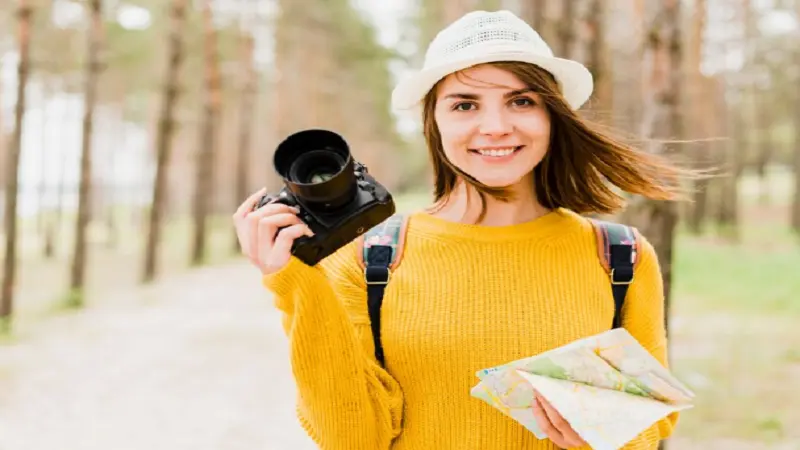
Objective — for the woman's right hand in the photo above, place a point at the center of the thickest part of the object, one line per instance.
(266, 247)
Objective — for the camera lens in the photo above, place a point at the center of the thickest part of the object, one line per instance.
(317, 167)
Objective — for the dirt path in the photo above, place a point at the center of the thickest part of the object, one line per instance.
(199, 362)
(196, 362)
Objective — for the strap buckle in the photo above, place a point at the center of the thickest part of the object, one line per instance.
(614, 281)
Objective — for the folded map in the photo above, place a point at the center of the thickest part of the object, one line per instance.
(608, 387)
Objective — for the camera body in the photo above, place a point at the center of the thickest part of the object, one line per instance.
(338, 199)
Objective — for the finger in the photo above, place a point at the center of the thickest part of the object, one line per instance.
(267, 229)
(248, 204)
(255, 217)
(570, 437)
(269, 209)
(246, 231)
(544, 422)
(282, 249)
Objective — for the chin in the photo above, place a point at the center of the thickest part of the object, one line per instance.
(500, 180)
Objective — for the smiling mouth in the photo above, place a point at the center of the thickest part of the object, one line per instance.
(497, 152)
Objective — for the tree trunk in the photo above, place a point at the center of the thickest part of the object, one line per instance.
(3, 146)
(24, 11)
(764, 115)
(596, 58)
(699, 104)
(166, 126)
(625, 99)
(795, 221)
(566, 33)
(588, 46)
(112, 228)
(663, 79)
(41, 211)
(204, 183)
(246, 118)
(532, 11)
(79, 261)
(738, 149)
(728, 194)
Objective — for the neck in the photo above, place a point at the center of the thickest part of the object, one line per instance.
(464, 206)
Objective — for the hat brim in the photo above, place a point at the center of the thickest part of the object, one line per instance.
(574, 79)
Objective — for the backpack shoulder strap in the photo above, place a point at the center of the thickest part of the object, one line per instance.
(617, 249)
(380, 251)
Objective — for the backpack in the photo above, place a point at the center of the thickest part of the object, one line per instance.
(381, 251)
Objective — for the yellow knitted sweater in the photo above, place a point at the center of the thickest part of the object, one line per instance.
(464, 298)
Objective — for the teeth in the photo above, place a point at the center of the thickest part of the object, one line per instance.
(497, 152)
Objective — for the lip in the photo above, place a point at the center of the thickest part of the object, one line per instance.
(497, 159)
(495, 147)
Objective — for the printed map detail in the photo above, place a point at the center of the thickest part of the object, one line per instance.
(608, 387)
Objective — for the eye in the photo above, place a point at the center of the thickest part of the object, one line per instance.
(523, 102)
(463, 106)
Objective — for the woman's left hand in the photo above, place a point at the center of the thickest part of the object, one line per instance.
(553, 425)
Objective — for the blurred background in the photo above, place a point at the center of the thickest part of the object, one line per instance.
(132, 129)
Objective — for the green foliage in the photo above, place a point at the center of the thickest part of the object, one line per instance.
(54, 51)
(133, 59)
(360, 61)
(430, 18)
(5, 329)
(751, 278)
(490, 5)
(359, 50)
(74, 299)
(130, 58)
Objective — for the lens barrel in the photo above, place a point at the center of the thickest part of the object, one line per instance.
(317, 168)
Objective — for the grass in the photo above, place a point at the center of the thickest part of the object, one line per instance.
(751, 278)
(42, 287)
(734, 337)
(744, 370)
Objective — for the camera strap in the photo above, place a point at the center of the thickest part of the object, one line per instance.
(617, 250)
(381, 250)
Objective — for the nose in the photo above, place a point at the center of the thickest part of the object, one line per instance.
(494, 122)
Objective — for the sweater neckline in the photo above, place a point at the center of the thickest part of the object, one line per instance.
(546, 226)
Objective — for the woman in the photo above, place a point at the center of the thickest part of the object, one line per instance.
(502, 267)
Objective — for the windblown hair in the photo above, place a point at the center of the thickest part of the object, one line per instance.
(581, 166)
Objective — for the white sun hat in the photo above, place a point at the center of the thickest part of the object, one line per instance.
(483, 37)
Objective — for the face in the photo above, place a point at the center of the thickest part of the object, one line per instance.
(492, 127)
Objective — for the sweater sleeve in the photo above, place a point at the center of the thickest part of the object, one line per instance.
(643, 317)
(345, 399)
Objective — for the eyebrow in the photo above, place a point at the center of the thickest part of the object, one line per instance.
(465, 96)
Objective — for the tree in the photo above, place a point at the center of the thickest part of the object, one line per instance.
(698, 105)
(661, 121)
(204, 181)
(532, 11)
(24, 13)
(166, 125)
(247, 98)
(795, 208)
(79, 258)
(566, 31)
(338, 66)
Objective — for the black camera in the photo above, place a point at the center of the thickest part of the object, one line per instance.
(336, 196)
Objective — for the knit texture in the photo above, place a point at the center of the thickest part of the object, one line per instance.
(464, 298)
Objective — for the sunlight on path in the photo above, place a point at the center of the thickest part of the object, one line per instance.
(195, 362)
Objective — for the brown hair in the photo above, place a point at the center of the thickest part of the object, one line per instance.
(578, 164)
